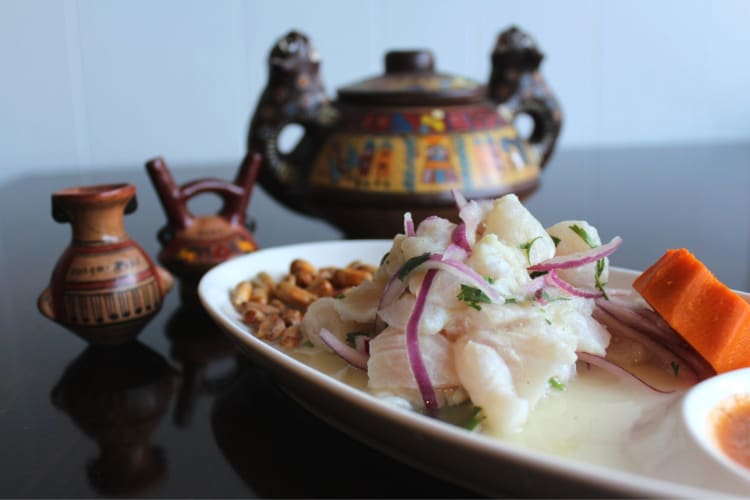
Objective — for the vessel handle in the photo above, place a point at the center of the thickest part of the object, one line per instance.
(235, 195)
(517, 85)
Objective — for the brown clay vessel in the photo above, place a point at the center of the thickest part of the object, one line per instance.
(403, 140)
(193, 244)
(104, 287)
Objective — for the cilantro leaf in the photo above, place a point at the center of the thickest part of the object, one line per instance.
(412, 263)
(581, 232)
(473, 297)
(351, 337)
(526, 247)
(555, 240)
(476, 418)
(555, 383)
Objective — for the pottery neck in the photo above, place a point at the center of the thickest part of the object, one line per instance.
(95, 213)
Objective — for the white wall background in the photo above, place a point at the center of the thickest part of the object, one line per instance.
(91, 84)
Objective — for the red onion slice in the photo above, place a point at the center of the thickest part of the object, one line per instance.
(392, 291)
(418, 368)
(350, 355)
(650, 329)
(579, 258)
(408, 225)
(463, 271)
(617, 370)
(553, 278)
(458, 237)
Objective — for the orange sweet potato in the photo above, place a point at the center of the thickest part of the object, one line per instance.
(704, 311)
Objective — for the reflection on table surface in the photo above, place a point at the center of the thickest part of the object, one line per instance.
(181, 413)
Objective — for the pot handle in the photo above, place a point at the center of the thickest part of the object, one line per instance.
(174, 198)
(518, 86)
(294, 95)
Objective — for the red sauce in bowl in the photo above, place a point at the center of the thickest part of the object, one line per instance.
(732, 429)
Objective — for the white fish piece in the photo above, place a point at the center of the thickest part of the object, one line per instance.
(323, 314)
(572, 318)
(515, 225)
(396, 314)
(512, 364)
(389, 371)
(489, 383)
(570, 242)
(361, 302)
(505, 264)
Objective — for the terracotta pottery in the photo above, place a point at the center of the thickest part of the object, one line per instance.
(193, 244)
(104, 287)
(402, 140)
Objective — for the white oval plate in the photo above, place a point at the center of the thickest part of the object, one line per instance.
(477, 462)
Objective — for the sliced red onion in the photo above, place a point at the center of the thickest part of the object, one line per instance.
(617, 370)
(618, 329)
(458, 198)
(362, 344)
(554, 279)
(455, 252)
(472, 214)
(350, 355)
(458, 237)
(463, 271)
(535, 285)
(579, 258)
(413, 352)
(392, 291)
(634, 321)
(408, 225)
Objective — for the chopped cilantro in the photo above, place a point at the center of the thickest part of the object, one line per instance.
(410, 264)
(307, 343)
(340, 296)
(473, 296)
(351, 337)
(526, 247)
(581, 232)
(548, 321)
(555, 383)
(599, 263)
(476, 418)
(536, 274)
(489, 279)
(510, 300)
(555, 240)
(675, 368)
(385, 258)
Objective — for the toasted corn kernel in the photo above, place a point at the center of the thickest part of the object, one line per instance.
(350, 277)
(242, 293)
(294, 295)
(271, 327)
(291, 337)
(322, 288)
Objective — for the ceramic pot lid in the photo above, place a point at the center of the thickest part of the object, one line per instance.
(410, 78)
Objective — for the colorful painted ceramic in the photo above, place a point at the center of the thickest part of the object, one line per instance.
(193, 244)
(403, 140)
(104, 287)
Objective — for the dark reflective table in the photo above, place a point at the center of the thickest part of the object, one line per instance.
(180, 413)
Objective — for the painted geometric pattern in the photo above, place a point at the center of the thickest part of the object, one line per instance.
(98, 307)
(408, 163)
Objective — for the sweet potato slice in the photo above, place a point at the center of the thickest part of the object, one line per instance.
(704, 311)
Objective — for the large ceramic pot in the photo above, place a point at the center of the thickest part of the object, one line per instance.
(403, 140)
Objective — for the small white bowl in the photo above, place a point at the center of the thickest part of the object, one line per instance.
(699, 405)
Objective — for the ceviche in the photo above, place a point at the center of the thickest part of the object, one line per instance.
(496, 312)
